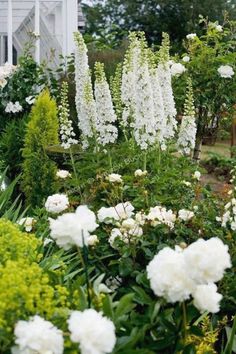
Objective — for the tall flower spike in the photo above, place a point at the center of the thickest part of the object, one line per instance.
(188, 129)
(83, 85)
(164, 75)
(116, 91)
(66, 130)
(144, 123)
(129, 73)
(106, 130)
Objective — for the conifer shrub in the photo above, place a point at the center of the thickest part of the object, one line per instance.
(39, 171)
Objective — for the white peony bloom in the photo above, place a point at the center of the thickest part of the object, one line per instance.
(168, 276)
(38, 336)
(73, 228)
(186, 59)
(63, 174)
(226, 71)
(114, 178)
(30, 100)
(57, 203)
(119, 212)
(207, 260)
(27, 222)
(206, 298)
(197, 175)
(191, 36)
(140, 173)
(185, 214)
(177, 69)
(94, 332)
(93, 240)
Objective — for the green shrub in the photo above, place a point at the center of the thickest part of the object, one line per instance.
(38, 170)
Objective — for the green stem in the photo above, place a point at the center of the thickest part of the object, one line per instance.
(230, 342)
(73, 164)
(110, 160)
(145, 161)
(184, 322)
(84, 265)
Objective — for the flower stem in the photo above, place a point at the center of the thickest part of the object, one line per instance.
(73, 164)
(184, 322)
(84, 261)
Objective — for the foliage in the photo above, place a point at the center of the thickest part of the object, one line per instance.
(38, 170)
(110, 22)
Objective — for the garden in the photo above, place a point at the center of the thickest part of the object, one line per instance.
(111, 238)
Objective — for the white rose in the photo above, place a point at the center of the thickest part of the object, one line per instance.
(226, 71)
(186, 58)
(114, 178)
(63, 174)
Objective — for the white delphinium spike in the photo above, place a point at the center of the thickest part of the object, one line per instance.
(164, 74)
(159, 113)
(89, 113)
(66, 130)
(106, 130)
(188, 129)
(144, 118)
(128, 82)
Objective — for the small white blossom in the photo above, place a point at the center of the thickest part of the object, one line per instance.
(30, 100)
(13, 107)
(197, 175)
(159, 215)
(206, 298)
(226, 71)
(140, 173)
(114, 178)
(93, 240)
(38, 336)
(28, 223)
(57, 203)
(63, 174)
(186, 59)
(94, 332)
(187, 184)
(185, 214)
(219, 28)
(191, 36)
(119, 212)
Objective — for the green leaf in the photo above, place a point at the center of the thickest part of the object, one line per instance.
(125, 305)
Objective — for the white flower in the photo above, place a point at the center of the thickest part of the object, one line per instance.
(187, 184)
(197, 175)
(63, 174)
(3, 83)
(93, 240)
(207, 260)
(57, 203)
(177, 69)
(47, 241)
(191, 36)
(225, 71)
(27, 222)
(114, 178)
(219, 28)
(140, 173)
(94, 333)
(206, 298)
(38, 336)
(159, 215)
(168, 276)
(119, 212)
(186, 59)
(185, 215)
(30, 100)
(13, 107)
(73, 228)
(115, 233)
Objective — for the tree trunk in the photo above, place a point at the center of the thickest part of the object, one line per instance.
(197, 149)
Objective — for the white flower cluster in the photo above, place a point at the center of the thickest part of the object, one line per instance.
(140, 173)
(106, 130)
(30, 100)
(188, 128)
(160, 215)
(56, 203)
(5, 72)
(191, 36)
(114, 178)
(13, 107)
(185, 214)
(120, 212)
(178, 274)
(197, 175)
(226, 71)
(73, 229)
(66, 130)
(37, 336)
(94, 332)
